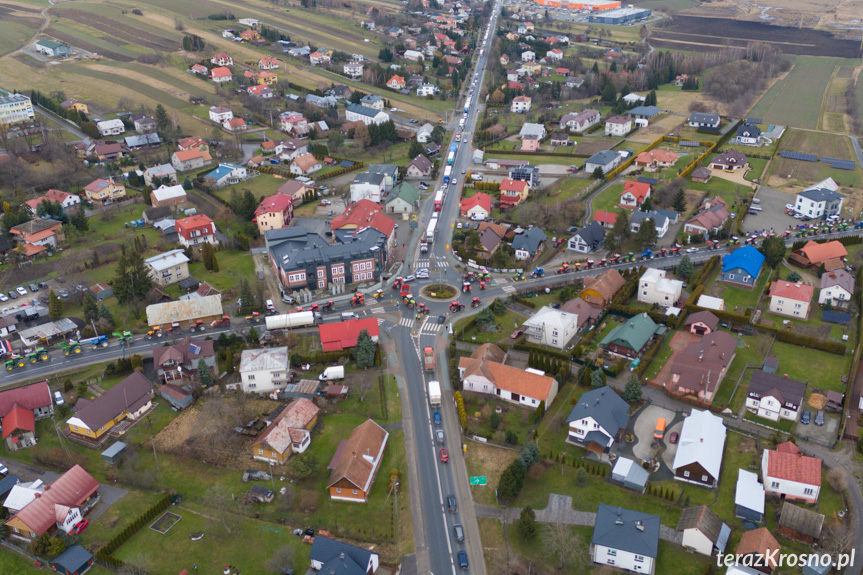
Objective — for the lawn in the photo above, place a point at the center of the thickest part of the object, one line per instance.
(737, 299)
(798, 363)
(233, 265)
(752, 353)
(504, 325)
(552, 430)
(13, 35)
(660, 360)
(608, 199)
(787, 171)
(263, 185)
(605, 328)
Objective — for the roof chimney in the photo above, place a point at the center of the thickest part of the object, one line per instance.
(639, 525)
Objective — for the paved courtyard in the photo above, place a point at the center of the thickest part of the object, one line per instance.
(678, 343)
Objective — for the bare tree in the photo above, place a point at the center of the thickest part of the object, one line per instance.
(561, 542)
(282, 559)
(220, 500)
(836, 540)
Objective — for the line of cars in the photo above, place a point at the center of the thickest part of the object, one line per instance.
(451, 501)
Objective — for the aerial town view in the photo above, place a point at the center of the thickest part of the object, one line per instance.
(431, 287)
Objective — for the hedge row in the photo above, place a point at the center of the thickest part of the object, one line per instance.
(648, 357)
(523, 301)
(117, 541)
(526, 347)
(629, 311)
(340, 171)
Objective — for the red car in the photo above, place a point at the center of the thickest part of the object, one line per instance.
(444, 455)
(673, 437)
(80, 526)
(517, 333)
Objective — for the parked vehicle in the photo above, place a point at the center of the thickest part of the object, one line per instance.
(332, 373)
(819, 418)
(659, 432)
(58, 398)
(459, 533)
(806, 417)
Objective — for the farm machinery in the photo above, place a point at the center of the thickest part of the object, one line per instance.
(224, 321)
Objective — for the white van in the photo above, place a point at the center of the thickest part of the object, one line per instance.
(349, 315)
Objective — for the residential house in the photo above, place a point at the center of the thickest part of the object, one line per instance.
(606, 160)
(660, 221)
(419, 167)
(520, 104)
(528, 56)
(529, 244)
(618, 126)
(305, 165)
(192, 142)
(69, 202)
(196, 230)
(364, 214)
(632, 338)
(15, 108)
(711, 217)
(599, 290)
(199, 69)
(644, 112)
(221, 75)
(829, 254)
(748, 497)
(108, 152)
(75, 560)
(634, 194)
(698, 458)
(748, 134)
(264, 370)
(319, 58)
(260, 91)
(396, 82)
(268, 63)
(530, 144)
(357, 112)
(574, 82)
(135, 143)
(598, 419)
(181, 359)
(221, 59)
(424, 133)
(294, 124)
(758, 547)
(372, 101)
(235, 125)
(191, 159)
(773, 397)
(530, 129)
(730, 160)
(555, 54)
(800, 524)
(742, 266)
(343, 335)
(525, 173)
(513, 192)
(703, 531)
(837, 287)
(701, 175)
(104, 191)
(581, 121)
(786, 472)
(403, 199)
(703, 120)
(331, 556)
(61, 506)
(485, 372)
(353, 69)
(633, 98)
(287, 433)
(476, 207)
(296, 190)
(128, 400)
(587, 239)
(367, 187)
(20, 408)
(699, 369)
(143, 123)
(551, 327)
(168, 268)
(163, 174)
(819, 202)
(701, 322)
(73, 104)
(626, 539)
(559, 139)
(37, 236)
(173, 196)
(605, 219)
(110, 127)
(289, 150)
(250, 36)
(356, 463)
(790, 298)
(655, 160)
(656, 289)
(274, 212)
(226, 175)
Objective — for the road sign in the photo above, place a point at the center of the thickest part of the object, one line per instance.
(478, 480)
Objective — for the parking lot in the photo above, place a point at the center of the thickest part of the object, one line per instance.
(772, 215)
(826, 434)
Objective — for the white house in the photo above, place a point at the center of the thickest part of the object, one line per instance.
(655, 288)
(520, 104)
(820, 200)
(581, 121)
(660, 221)
(305, 164)
(414, 56)
(703, 120)
(528, 56)
(169, 267)
(773, 397)
(366, 115)
(354, 69)
(368, 187)
(263, 370)
(587, 239)
(703, 531)
(837, 287)
(484, 372)
(111, 127)
(618, 126)
(633, 98)
(555, 54)
(551, 327)
(790, 299)
(597, 420)
(424, 90)
(220, 114)
(227, 174)
(626, 539)
(786, 471)
(424, 133)
(699, 451)
(606, 159)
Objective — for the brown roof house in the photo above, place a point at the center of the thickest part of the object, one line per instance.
(485, 372)
(701, 322)
(288, 432)
(800, 524)
(356, 463)
(703, 530)
(599, 290)
(419, 167)
(700, 367)
(760, 544)
(181, 359)
(123, 404)
(813, 254)
(587, 314)
(20, 408)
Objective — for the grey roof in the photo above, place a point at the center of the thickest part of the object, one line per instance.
(72, 559)
(626, 530)
(529, 240)
(784, 389)
(592, 234)
(658, 218)
(391, 170)
(367, 178)
(363, 110)
(532, 129)
(749, 131)
(325, 549)
(604, 406)
(602, 158)
(703, 118)
(115, 449)
(142, 140)
(821, 195)
(839, 278)
(370, 99)
(648, 111)
(305, 250)
(703, 519)
(801, 520)
(7, 483)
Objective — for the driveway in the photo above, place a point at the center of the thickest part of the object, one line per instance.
(671, 448)
(736, 176)
(772, 216)
(644, 427)
(825, 434)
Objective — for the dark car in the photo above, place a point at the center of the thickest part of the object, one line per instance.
(806, 417)
(13, 294)
(819, 418)
(451, 504)
(673, 437)
(436, 418)
(441, 319)
(462, 560)
(459, 533)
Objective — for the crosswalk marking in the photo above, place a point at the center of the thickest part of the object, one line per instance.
(420, 264)
(406, 321)
(378, 310)
(508, 289)
(381, 321)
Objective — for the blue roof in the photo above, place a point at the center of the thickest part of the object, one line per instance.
(7, 483)
(835, 317)
(222, 171)
(72, 559)
(746, 258)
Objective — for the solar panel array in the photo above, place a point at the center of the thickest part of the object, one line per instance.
(688, 144)
(798, 156)
(753, 120)
(840, 164)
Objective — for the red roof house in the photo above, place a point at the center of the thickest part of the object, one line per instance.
(274, 212)
(196, 230)
(19, 428)
(814, 254)
(477, 206)
(789, 473)
(606, 219)
(512, 192)
(634, 194)
(343, 335)
(365, 214)
(35, 397)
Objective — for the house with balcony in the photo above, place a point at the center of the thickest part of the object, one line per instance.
(181, 359)
(168, 268)
(598, 420)
(196, 230)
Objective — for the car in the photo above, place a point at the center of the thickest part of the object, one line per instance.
(21, 290)
(43, 285)
(691, 250)
(789, 206)
(517, 334)
(58, 398)
(410, 278)
(289, 299)
(451, 504)
(436, 418)
(396, 226)
(806, 417)
(454, 181)
(462, 559)
(324, 189)
(270, 305)
(414, 121)
(325, 203)
(458, 226)
(673, 437)
(444, 455)
(463, 172)
(33, 288)
(63, 293)
(80, 526)
(819, 417)
(3, 470)
(13, 294)
(4, 297)
(441, 319)
(440, 436)
(459, 533)
(423, 275)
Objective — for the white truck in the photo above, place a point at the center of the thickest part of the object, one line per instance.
(333, 373)
(434, 393)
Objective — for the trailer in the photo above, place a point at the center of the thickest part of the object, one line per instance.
(450, 159)
(447, 172)
(291, 320)
(438, 201)
(434, 393)
(428, 358)
(431, 231)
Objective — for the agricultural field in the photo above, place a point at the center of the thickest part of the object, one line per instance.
(833, 117)
(787, 172)
(18, 23)
(796, 100)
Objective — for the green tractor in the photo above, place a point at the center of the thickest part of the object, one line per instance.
(37, 356)
(124, 336)
(15, 361)
(69, 348)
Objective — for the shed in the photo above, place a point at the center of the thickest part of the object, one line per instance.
(101, 291)
(800, 524)
(260, 494)
(749, 497)
(815, 567)
(630, 474)
(336, 391)
(113, 453)
(73, 561)
(770, 365)
(176, 396)
(188, 284)
(835, 400)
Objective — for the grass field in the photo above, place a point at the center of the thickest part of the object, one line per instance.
(784, 171)
(13, 35)
(796, 100)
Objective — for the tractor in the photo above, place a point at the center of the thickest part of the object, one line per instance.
(422, 308)
(378, 295)
(224, 321)
(175, 327)
(410, 301)
(662, 253)
(328, 306)
(254, 318)
(455, 306)
(405, 290)
(398, 283)
(564, 269)
(537, 273)
(358, 299)
(588, 264)
(69, 348)
(156, 331)
(475, 302)
(647, 254)
(465, 286)
(197, 325)
(37, 356)
(482, 285)
(15, 361)
(518, 277)
(674, 251)
(123, 336)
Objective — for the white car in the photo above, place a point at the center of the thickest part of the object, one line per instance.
(789, 206)
(3, 470)
(21, 291)
(423, 274)
(58, 398)
(691, 250)
(4, 297)
(458, 226)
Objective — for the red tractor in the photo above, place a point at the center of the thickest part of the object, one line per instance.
(328, 306)
(466, 286)
(482, 285)
(224, 321)
(564, 269)
(358, 299)
(405, 290)
(674, 251)
(455, 306)
(422, 308)
(475, 302)
(398, 283)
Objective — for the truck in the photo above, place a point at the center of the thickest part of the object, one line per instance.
(438, 201)
(450, 159)
(467, 107)
(434, 393)
(290, 320)
(447, 172)
(428, 358)
(431, 231)
(332, 373)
